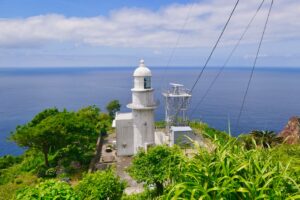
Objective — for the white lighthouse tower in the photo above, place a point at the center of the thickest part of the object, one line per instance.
(142, 106)
(135, 130)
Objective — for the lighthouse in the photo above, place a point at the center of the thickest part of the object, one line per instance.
(142, 106)
(135, 130)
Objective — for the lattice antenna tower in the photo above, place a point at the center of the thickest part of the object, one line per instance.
(177, 100)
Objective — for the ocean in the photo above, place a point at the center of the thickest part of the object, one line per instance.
(274, 95)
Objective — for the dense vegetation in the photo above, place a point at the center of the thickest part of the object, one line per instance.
(161, 164)
(49, 189)
(232, 172)
(113, 107)
(101, 185)
(65, 134)
(253, 166)
(60, 144)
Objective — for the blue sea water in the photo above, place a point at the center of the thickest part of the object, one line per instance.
(274, 95)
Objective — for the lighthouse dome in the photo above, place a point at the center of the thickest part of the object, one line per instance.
(142, 70)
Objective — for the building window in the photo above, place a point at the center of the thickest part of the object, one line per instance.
(147, 82)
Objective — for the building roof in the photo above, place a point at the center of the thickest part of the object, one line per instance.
(181, 128)
(142, 70)
(123, 116)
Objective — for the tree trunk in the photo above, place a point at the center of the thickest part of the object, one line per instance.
(159, 188)
(46, 158)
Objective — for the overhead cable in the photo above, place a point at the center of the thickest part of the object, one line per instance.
(254, 64)
(215, 46)
(228, 58)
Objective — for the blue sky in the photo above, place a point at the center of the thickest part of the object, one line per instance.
(79, 8)
(66, 33)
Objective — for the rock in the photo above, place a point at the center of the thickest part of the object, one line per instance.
(291, 132)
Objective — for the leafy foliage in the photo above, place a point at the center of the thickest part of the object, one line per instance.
(288, 154)
(68, 134)
(209, 132)
(8, 190)
(160, 164)
(8, 160)
(57, 138)
(50, 189)
(113, 107)
(160, 124)
(232, 172)
(228, 170)
(264, 139)
(29, 161)
(101, 185)
(146, 195)
(44, 132)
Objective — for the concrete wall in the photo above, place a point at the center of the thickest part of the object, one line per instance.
(143, 98)
(161, 138)
(143, 126)
(125, 145)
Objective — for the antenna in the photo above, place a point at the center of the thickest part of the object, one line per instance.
(177, 100)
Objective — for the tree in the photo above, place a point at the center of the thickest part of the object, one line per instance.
(160, 164)
(265, 139)
(104, 123)
(43, 132)
(100, 185)
(113, 107)
(49, 189)
(52, 130)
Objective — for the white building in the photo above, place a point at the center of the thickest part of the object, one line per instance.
(135, 130)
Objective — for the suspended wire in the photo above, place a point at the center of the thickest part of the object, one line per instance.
(212, 51)
(215, 46)
(176, 44)
(254, 64)
(228, 58)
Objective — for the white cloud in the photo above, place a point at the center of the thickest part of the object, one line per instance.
(252, 56)
(132, 27)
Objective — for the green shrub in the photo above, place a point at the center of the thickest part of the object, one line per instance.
(41, 171)
(261, 139)
(8, 190)
(50, 189)
(209, 132)
(51, 172)
(160, 164)
(288, 154)
(31, 160)
(28, 164)
(101, 185)
(232, 172)
(18, 181)
(8, 160)
(146, 195)
(160, 124)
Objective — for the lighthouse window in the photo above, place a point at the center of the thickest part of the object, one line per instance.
(147, 82)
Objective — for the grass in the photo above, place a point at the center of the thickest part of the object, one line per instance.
(226, 171)
(209, 132)
(232, 172)
(8, 190)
